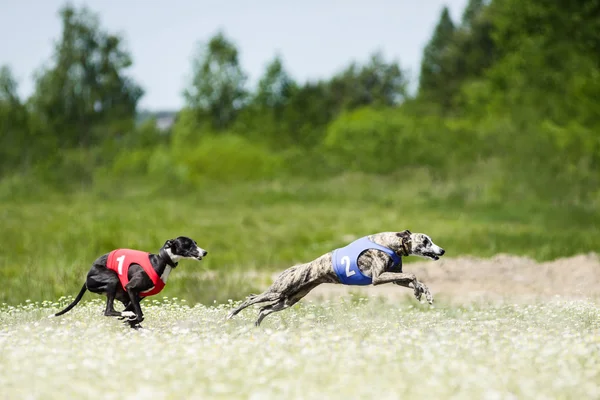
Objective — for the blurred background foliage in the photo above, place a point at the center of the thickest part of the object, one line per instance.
(514, 86)
(503, 129)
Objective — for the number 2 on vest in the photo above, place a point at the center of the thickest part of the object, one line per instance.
(346, 262)
(120, 266)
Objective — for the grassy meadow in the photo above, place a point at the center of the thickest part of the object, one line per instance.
(49, 242)
(354, 349)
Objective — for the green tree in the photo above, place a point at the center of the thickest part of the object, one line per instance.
(217, 88)
(471, 12)
(473, 50)
(276, 87)
(8, 87)
(548, 60)
(538, 102)
(13, 133)
(262, 118)
(436, 80)
(377, 83)
(20, 138)
(85, 95)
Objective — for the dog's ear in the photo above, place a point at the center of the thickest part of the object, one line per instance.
(405, 234)
(169, 243)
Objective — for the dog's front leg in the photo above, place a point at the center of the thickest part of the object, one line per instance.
(405, 280)
(137, 309)
(419, 290)
(135, 304)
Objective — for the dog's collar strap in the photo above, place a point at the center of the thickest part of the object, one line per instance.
(163, 254)
(405, 248)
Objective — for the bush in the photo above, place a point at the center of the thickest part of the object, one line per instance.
(383, 141)
(227, 158)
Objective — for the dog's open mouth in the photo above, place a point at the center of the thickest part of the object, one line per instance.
(433, 256)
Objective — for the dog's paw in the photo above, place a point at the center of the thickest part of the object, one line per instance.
(128, 314)
(428, 296)
(424, 290)
(418, 294)
(419, 291)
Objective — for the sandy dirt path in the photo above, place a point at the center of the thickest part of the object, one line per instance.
(503, 277)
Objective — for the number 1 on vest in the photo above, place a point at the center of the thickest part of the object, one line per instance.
(120, 266)
(346, 262)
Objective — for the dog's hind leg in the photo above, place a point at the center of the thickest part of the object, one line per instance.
(271, 308)
(111, 292)
(103, 281)
(282, 304)
(253, 299)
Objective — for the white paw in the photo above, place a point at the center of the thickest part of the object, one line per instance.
(429, 297)
(128, 314)
(427, 293)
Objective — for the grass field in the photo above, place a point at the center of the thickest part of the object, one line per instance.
(49, 241)
(350, 348)
(496, 331)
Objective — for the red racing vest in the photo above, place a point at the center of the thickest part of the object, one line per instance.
(119, 261)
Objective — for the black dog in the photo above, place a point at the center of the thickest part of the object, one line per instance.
(130, 275)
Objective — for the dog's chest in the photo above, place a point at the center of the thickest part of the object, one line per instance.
(376, 260)
(165, 274)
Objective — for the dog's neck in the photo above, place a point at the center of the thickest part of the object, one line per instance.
(400, 246)
(168, 257)
(405, 248)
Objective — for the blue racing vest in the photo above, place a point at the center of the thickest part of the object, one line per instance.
(345, 261)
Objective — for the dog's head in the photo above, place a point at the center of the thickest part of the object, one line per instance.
(419, 244)
(183, 247)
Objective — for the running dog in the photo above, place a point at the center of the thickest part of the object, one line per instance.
(375, 259)
(131, 275)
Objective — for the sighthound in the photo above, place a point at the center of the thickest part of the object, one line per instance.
(130, 275)
(371, 260)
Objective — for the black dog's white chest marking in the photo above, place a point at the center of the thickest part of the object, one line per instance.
(165, 274)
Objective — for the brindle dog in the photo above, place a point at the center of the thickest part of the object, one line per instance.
(296, 282)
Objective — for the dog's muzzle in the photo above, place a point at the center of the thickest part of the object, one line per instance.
(435, 256)
(201, 254)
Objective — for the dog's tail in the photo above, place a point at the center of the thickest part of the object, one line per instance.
(73, 304)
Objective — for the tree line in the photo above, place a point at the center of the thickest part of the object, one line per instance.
(512, 89)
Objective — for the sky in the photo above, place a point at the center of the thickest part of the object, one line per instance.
(315, 39)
